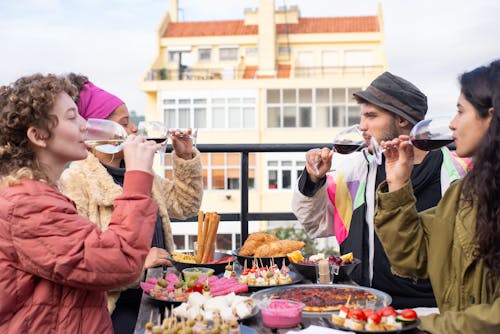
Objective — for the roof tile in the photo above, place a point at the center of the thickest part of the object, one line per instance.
(308, 25)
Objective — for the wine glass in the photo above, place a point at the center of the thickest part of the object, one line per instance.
(154, 130)
(104, 135)
(427, 135)
(347, 141)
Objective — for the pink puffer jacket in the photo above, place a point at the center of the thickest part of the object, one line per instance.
(56, 265)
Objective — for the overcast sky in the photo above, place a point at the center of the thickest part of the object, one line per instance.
(114, 41)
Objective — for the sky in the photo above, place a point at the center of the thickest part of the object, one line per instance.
(113, 42)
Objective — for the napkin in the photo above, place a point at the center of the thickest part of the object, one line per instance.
(319, 330)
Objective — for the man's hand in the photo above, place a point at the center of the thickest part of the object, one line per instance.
(399, 160)
(318, 163)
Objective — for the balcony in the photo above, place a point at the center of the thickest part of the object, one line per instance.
(283, 71)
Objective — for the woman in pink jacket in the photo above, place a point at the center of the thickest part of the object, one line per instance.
(56, 265)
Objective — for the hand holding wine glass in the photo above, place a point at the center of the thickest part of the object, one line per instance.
(347, 141)
(139, 153)
(183, 141)
(427, 135)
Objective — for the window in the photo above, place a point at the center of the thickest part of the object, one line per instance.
(358, 58)
(284, 50)
(235, 110)
(306, 108)
(223, 170)
(283, 172)
(173, 57)
(251, 51)
(204, 54)
(228, 53)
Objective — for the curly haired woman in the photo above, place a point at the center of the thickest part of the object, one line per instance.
(54, 276)
(94, 183)
(457, 243)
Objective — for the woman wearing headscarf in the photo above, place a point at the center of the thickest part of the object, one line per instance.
(93, 184)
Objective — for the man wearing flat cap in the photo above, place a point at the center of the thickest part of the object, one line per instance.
(341, 202)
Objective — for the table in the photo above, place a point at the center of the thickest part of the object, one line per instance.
(150, 306)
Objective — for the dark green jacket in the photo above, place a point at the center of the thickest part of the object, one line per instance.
(439, 244)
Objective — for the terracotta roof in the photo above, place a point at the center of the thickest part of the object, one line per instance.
(305, 26)
(209, 28)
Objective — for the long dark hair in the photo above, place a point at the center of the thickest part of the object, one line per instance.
(481, 87)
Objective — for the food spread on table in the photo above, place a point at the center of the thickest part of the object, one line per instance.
(383, 319)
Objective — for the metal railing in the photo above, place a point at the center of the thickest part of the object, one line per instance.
(235, 73)
(244, 216)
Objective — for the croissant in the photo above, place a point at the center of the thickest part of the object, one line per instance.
(278, 248)
(249, 248)
(254, 241)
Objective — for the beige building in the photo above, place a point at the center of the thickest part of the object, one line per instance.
(271, 76)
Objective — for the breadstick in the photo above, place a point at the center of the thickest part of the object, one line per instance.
(203, 238)
(198, 250)
(210, 245)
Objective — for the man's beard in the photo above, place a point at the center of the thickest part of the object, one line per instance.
(390, 133)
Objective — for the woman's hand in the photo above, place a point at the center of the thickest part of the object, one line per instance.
(318, 163)
(182, 144)
(139, 153)
(157, 257)
(399, 160)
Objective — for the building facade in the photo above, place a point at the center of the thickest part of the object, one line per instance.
(270, 77)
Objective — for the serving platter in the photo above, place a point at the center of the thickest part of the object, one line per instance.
(261, 261)
(406, 328)
(296, 278)
(243, 330)
(380, 298)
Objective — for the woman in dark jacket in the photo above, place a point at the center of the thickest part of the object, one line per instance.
(457, 243)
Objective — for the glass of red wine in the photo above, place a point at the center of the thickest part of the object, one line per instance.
(427, 135)
(160, 133)
(346, 141)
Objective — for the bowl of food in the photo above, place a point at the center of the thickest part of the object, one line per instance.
(281, 313)
(308, 266)
(193, 274)
(183, 260)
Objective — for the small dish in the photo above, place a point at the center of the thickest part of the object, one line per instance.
(193, 274)
(281, 313)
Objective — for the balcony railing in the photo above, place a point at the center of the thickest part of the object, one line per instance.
(244, 216)
(233, 73)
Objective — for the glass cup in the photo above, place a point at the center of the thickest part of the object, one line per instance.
(104, 135)
(427, 135)
(346, 141)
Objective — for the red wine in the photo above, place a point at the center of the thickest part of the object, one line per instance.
(158, 140)
(345, 148)
(430, 144)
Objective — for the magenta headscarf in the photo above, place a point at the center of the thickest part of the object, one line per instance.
(95, 102)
